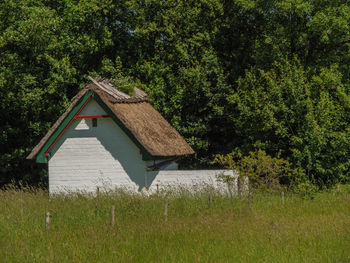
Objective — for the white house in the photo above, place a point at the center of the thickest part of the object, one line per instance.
(109, 139)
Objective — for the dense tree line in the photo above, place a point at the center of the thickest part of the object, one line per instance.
(235, 75)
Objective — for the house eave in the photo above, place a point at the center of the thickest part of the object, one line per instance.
(43, 154)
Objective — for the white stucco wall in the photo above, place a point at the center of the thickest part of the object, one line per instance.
(92, 108)
(189, 179)
(87, 157)
(166, 166)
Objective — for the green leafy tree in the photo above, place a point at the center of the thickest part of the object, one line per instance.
(46, 51)
(180, 68)
(32, 77)
(259, 32)
(305, 117)
(189, 55)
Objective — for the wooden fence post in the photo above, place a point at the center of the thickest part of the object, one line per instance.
(96, 200)
(239, 185)
(282, 197)
(47, 221)
(210, 200)
(22, 204)
(112, 215)
(249, 197)
(229, 187)
(166, 210)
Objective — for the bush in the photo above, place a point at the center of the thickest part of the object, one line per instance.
(264, 172)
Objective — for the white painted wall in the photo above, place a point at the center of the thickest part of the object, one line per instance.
(92, 108)
(87, 157)
(167, 166)
(189, 179)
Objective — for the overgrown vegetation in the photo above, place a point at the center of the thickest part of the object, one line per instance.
(263, 171)
(228, 75)
(258, 171)
(196, 230)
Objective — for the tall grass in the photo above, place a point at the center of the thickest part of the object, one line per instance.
(229, 230)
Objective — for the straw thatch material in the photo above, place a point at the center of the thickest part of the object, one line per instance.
(146, 124)
(151, 129)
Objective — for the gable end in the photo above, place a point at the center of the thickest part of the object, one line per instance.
(44, 155)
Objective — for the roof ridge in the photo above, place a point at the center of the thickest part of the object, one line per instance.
(107, 86)
(147, 128)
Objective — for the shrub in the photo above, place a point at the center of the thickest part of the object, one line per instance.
(263, 171)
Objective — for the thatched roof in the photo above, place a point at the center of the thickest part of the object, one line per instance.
(145, 125)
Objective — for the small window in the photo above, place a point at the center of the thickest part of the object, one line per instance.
(94, 122)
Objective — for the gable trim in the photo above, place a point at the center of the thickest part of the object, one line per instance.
(64, 129)
(44, 153)
(91, 116)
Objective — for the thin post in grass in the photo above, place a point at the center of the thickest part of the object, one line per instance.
(166, 203)
(210, 199)
(157, 189)
(21, 203)
(96, 199)
(229, 187)
(282, 197)
(47, 221)
(239, 185)
(112, 215)
(249, 197)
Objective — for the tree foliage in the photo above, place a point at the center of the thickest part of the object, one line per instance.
(303, 116)
(263, 171)
(242, 74)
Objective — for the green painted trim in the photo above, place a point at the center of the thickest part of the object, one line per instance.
(146, 156)
(41, 158)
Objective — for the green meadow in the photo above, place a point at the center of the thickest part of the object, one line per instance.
(199, 227)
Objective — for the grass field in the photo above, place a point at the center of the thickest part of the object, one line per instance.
(300, 230)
